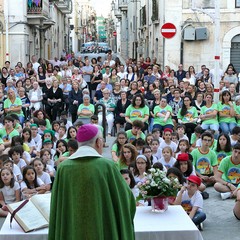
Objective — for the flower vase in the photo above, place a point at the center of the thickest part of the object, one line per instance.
(159, 204)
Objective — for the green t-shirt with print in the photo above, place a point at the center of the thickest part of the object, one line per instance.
(6, 137)
(204, 162)
(159, 120)
(225, 108)
(221, 155)
(205, 111)
(18, 102)
(88, 108)
(230, 171)
(189, 116)
(136, 113)
(132, 137)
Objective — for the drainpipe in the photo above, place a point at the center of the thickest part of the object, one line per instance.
(6, 27)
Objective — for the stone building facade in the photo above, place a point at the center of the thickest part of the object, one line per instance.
(140, 31)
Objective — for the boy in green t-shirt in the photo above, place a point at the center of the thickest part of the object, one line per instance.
(136, 131)
(228, 175)
(205, 160)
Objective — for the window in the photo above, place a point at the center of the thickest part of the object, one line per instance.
(237, 3)
(143, 16)
(154, 10)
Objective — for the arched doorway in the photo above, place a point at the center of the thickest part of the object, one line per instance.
(227, 45)
(235, 52)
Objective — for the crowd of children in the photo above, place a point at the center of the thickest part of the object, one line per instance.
(208, 162)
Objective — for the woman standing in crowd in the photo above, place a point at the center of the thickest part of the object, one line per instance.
(46, 89)
(75, 98)
(131, 76)
(5, 76)
(41, 76)
(121, 106)
(114, 78)
(49, 70)
(116, 91)
(192, 74)
(96, 78)
(54, 100)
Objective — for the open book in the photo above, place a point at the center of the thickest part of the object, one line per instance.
(34, 214)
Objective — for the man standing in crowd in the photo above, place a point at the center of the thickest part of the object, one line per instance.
(180, 73)
(101, 205)
(87, 72)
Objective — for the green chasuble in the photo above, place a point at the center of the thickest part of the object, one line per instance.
(90, 200)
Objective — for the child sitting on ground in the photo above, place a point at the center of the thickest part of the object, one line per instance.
(191, 200)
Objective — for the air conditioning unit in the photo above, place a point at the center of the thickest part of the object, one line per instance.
(201, 33)
(189, 33)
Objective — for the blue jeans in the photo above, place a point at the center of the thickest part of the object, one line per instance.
(21, 119)
(161, 128)
(214, 127)
(150, 127)
(199, 217)
(227, 127)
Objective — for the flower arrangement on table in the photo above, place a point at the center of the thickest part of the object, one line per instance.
(158, 185)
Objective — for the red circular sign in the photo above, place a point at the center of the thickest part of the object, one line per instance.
(114, 33)
(168, 30)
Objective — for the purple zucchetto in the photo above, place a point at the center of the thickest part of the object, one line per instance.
(86, 132)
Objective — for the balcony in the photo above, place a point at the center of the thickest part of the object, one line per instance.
(37, 11)
(122, 5)
(65, 6)
(117, 14)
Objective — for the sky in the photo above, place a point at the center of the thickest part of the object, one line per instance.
(102, 7)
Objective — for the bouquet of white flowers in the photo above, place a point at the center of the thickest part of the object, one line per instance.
(157, 184)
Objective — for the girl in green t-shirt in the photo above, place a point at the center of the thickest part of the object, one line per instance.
(223, 148)
(188, 115)
(227, 112)
(163, 115)
(118, 144)
(208, 115)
